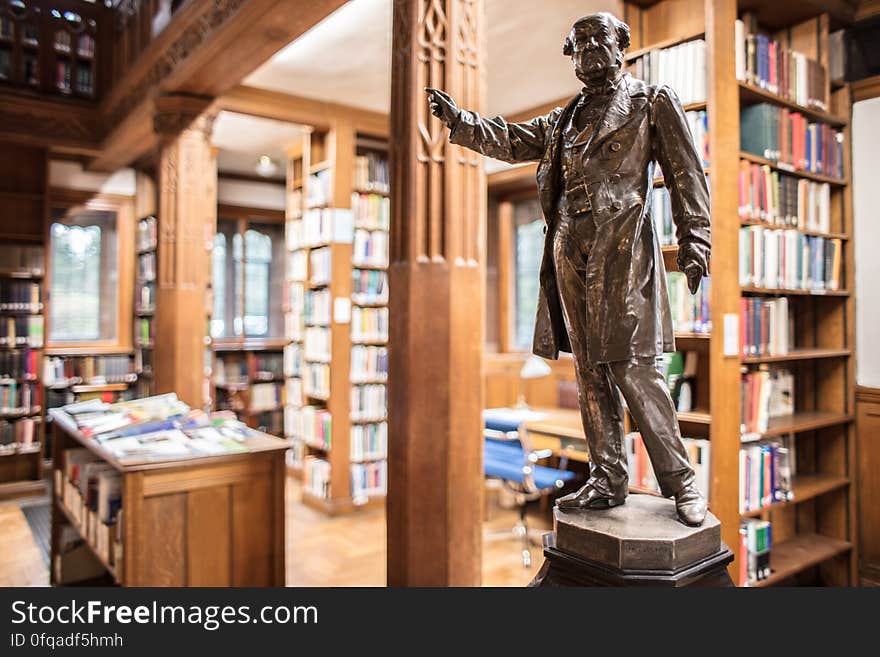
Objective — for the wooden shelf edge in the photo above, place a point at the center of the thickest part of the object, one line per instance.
(69, 516)
(810, 233)
(800, 173)
(800, 553)
(804, 487)
(751, 92)
(800, 422)
(798, 354)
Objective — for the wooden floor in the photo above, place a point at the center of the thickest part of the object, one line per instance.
(322, 551)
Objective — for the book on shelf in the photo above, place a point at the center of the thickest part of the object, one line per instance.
(21, 364)
(791, 140)
(144, 331)
(316, 344)
(320, 189)
(369, 402)
(681, 67)
(369, 442)
(231, 369)
(766, 327)
(297, 266)
(766, 473)
(369, 324)
(23, 260)
(368, 363)
(782, 200)
(370, 248)
(19, 397)
(371, 211)
(837, 55)
(21, 331)
(147, 267)
(320, 261)
(766, 394)
(265, 397)
(264, 366)
(316, 380)
(641, 472)
(293, 392)
(20, 296)
(310, 424)
(316, 307)
(19, 436)
(89, 370)
(755, 543)
(145, 301)
(766, 63)
(690, 312)
(147, 234)
(369, 287)
(369, 480)
(679, 369)
(316, 227)
(788, 259)
(370, 173)
(316, 477)
(293, 359)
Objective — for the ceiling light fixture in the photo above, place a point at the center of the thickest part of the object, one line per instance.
(266, 166)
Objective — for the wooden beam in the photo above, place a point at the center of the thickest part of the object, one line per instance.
(72, 127)
(318, 114)
(249, 177)
(866, 89)
(206, 49)
(434, 505)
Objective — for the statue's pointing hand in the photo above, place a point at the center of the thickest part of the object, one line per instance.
(442, 106)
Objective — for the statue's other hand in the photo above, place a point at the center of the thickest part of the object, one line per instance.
(442, 106)
(694, 264)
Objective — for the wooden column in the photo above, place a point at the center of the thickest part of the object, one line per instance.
(437, 211)
(187, 214)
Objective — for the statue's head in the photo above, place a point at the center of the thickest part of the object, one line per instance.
(595, 45)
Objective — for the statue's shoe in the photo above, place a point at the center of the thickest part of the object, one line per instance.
(690, 506)
(589, 497)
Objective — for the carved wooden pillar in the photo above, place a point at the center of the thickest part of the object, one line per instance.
(187, 216)
(435, 395)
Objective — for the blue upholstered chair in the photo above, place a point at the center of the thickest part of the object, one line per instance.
(509, 457)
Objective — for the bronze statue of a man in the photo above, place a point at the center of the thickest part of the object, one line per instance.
(603, 286)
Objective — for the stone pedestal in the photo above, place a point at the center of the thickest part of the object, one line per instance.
(641, 543)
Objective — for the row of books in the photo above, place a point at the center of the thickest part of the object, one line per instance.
(690, 312)
(371, 211)
(264, 366)
(369, 402)
(320, 262)
(698, 122)
(19, 435)
(679, 369)
(316, 380)
(143, 331)
(320, 188)
(641, 473)
(27, 260)
(293, 392)
(766, 394)
(265, 397)
(230, 369)
(369, 286)
(316, 477)
(143, 363)
(369, 442)
(316, 344)
(293, 359)
(316, 227)
(766, 470)
(682, 67)
(316, 307)
(788, 259)
(768, 64)
(782, 200)
(16, 397)
(294, 325)
(369, 324)
(21, 331)
(370, 173)
(145, 301)
(310, 424)
(368, 364)
(19, 364)
(147, 234)
(19, 296)
(370, 248)
(791, 140)
(369, 479)
(93, 370)
(294, 295)
(146, 270)
(754, 549)
(766, 327)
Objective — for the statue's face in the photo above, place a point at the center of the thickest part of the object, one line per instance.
(595, 53)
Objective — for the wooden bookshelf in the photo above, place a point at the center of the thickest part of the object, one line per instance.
(813, 533)
(144, 327)
(328, 189)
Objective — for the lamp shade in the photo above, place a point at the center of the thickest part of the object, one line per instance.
(534, 368)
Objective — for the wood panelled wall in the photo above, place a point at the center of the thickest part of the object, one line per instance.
(868, 432)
